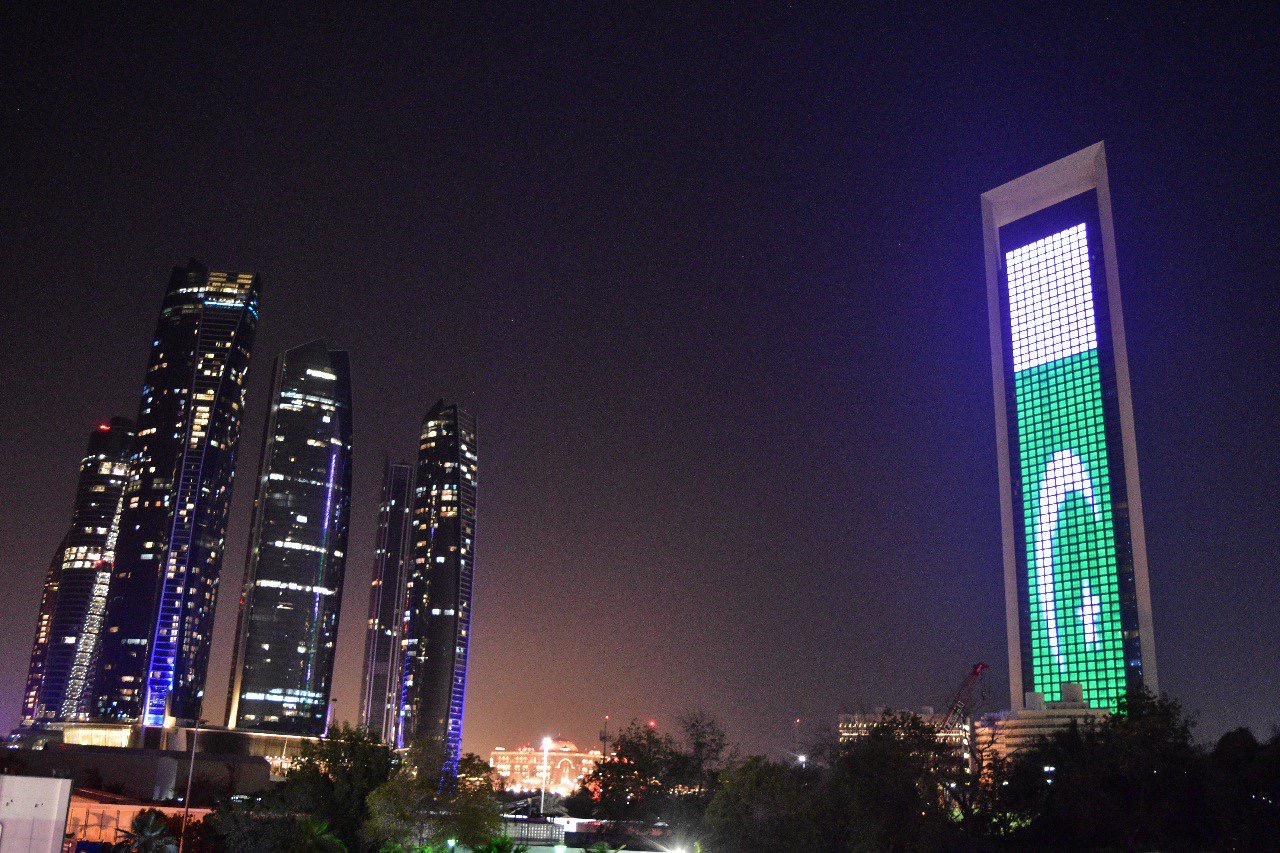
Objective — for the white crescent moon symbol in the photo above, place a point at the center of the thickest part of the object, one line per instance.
(1064, 476)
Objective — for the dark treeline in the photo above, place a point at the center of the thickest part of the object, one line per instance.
(1136, 781)
(351, 792)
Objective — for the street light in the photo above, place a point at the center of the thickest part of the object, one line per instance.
(546, 773)
(191, 772)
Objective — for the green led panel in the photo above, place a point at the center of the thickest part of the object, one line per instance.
(1071, 565)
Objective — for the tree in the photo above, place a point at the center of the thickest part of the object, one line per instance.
(334, 777)
(263, 824)
(765, 807)
(1245, 791)
(313, 836)
(148, 833)
(1137, 780)
(655, 777)
(889, 789)
(425, 804)
(652, 775)
(330, 783)
(502, 844)
(634, 782)
(704, 745)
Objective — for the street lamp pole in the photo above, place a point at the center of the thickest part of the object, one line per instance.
(546, 773)
(191, 772)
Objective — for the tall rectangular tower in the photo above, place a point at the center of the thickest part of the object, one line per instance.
(173, 525)
(288, 624)
(380, 697)
(437, 629)
(69, 626)
(1077, 598)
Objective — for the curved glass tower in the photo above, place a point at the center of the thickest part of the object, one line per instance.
(173, 526)
(288, 623)
(75, 588)
(1077, 596)
(437, 628)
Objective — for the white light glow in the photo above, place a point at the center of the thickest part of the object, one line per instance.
(1050, 299)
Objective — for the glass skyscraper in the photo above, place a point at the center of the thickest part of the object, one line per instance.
(288, 623)
(173, 525)
(75, 589)
(380, 698)
(437, 629)
(1077, 595)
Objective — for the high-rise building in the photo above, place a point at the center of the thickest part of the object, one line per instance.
(437, 629)
(380, 699)
(173, 526)
(288, 624)
(1078, 602)
(75, 588)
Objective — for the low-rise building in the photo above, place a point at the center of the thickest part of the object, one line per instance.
(1004, 733)
(147, 775)
(956, 735)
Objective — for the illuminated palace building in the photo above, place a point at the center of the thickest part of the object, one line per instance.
(380, 696)
(1077, 597)
(75, 589)
(437, 627)
(159, 615)
(288, 623)
(561, 767)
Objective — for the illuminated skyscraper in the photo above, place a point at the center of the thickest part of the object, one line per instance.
(75, 588)
(288, 624)
(437, 631)
(1077, 596)
(380, 699)
(172, 529)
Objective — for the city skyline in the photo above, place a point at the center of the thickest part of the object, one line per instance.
(715, 291)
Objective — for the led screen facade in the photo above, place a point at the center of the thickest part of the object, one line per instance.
(1066, 513)
(1079, 610)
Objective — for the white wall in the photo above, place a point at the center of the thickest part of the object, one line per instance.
(33, 813)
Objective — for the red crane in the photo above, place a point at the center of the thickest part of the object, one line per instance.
(961, 699)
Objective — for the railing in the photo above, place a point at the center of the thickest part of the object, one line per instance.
(524, 830)
(101, 822)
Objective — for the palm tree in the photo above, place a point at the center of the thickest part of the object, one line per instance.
(148, 833)
(501, 844)
(314, 836)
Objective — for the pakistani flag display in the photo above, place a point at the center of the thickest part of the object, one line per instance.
(1070, 539)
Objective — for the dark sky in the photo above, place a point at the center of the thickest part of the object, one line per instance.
(713, 285)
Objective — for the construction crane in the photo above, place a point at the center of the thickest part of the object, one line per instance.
(958, 702)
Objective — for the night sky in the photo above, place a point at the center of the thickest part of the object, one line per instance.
(713, 285)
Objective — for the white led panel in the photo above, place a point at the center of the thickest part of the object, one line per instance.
(1050, 299)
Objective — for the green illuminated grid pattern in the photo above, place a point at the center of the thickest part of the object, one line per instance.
(1071, 564)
